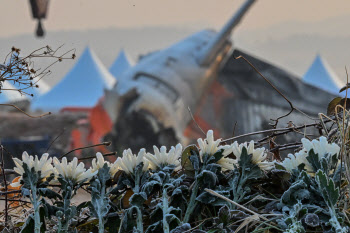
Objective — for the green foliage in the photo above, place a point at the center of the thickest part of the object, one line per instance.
(173, 201)
(99, 205)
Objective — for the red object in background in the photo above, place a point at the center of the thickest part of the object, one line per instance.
(214, 98)
(90, 131)
(76, 141)
(100, 125)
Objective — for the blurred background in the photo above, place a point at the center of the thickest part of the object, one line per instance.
(292, 42)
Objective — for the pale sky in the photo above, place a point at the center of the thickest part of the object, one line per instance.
(91, 14)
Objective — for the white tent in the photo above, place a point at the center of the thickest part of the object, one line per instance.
(81, 87)
(322, 76)
(122, 63)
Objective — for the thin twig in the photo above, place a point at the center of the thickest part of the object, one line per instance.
(59, 135)
(278, 91)
(212, 192)
(10, 192)
(14, 106)
(92, 157)
(5, 184)
(85, 147)
(189, 110)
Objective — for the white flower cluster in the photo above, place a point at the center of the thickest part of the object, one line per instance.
(259, 155)
(129, 161)
(72, 170)
(99, 162)
(161, 158)
(320, 147)
(43, 165)
(210, 146)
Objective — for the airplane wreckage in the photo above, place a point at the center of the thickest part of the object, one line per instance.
(149, 105)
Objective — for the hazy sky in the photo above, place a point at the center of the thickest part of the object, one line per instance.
(91, 14)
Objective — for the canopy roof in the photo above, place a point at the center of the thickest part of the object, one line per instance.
(322, 76)
(121, 64)
(81, 87)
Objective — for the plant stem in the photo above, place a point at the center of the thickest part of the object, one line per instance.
(165, 211)
(139, 220)
(192, 203)
(37, 223)
(101, 227)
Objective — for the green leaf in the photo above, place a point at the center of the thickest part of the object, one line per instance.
(157, 213)
(112, 224)
(29, 225)
(293, 194)
(314, 160)
(218, 155)
(155, 227)
(42, 219)
(185, 158)
(172, 217)
(183, 228)
(150, 186)
(207, 179)
(312, 220)
(195, 162)
(224, 215)
(327, 188)
(103, 174)
(332, 105)
(251, 171)
(50, 210)
(49, 193)
(206, 198)
(137, 199)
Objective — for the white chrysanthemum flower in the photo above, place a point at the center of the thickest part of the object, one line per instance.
(259, 155)
(293, 161)
(72, 170)
(43, 165)
(320, 147)
(161, 158)
(129, 161)
(209, 146)
(99, 162)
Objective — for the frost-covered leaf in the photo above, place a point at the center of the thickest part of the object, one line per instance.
(207, 179)
(327, 188)
(155, 227)
(195, 162)
(182, 228)
(224, 215)
(137, 199)
(218, 155)
(251, 171)
(112, 223)
(28, 227)
(312, 220)
(150, 186)
(314, 160)
(172, 217)
(49, 193)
